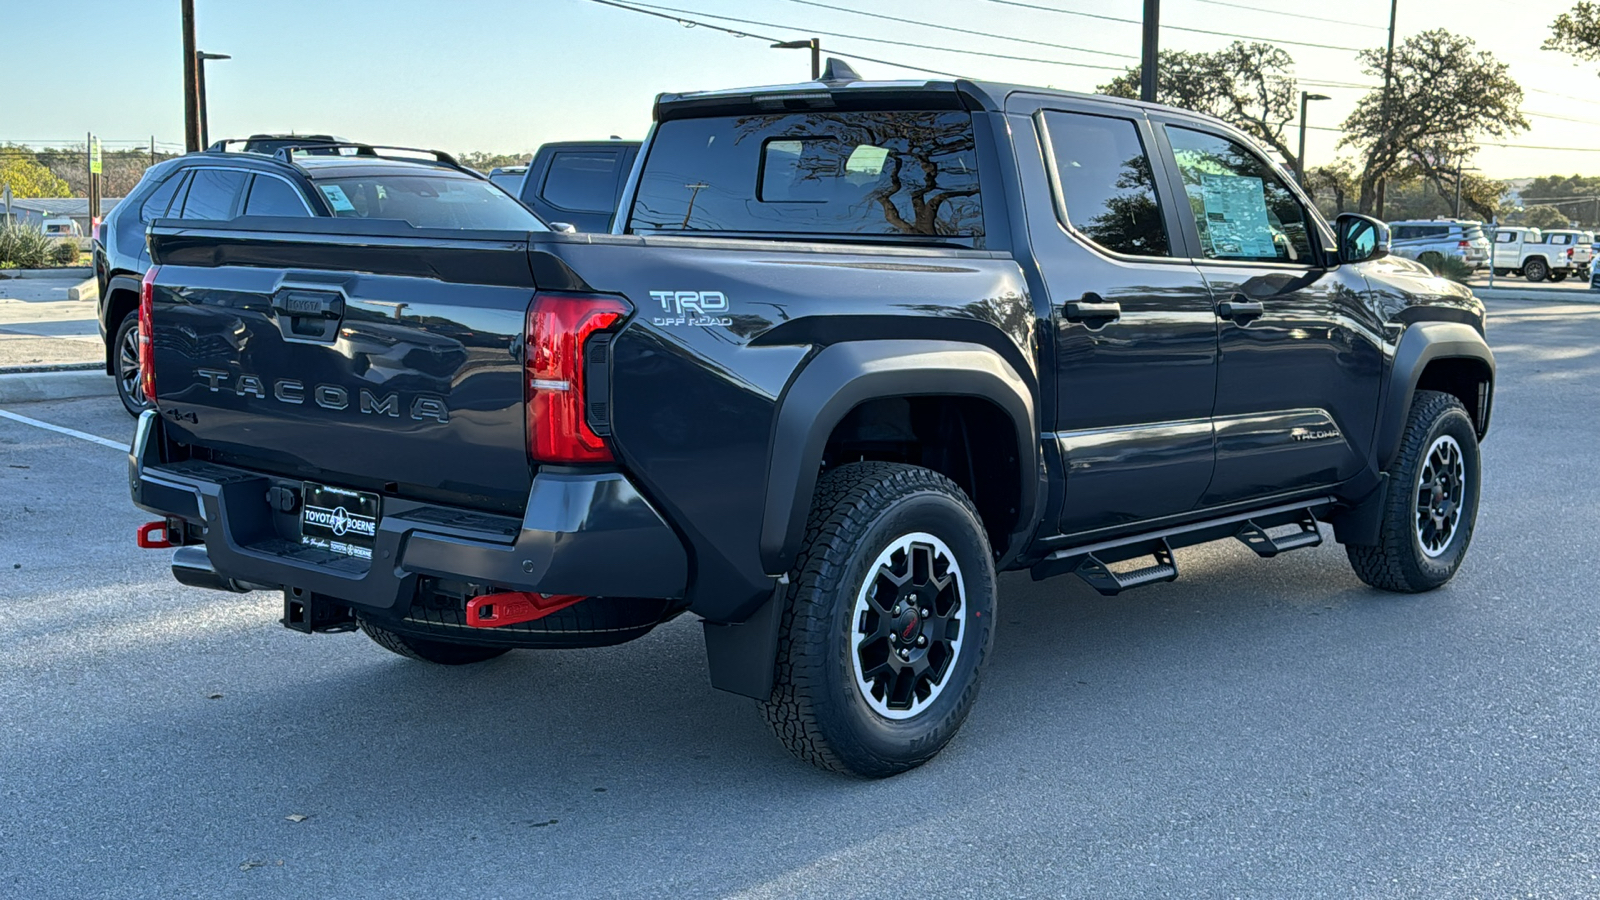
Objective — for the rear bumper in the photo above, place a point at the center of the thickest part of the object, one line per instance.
(583, 533)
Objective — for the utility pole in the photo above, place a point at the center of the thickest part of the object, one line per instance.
(152, 149)
(1388, 78)
(1151, 52)
(191, 97)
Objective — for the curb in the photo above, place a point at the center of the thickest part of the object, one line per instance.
(87, 289)
(1536, 296)
(32, 387)
(63, 272)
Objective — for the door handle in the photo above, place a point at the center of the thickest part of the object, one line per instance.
(1240, 307)
(1093, 309)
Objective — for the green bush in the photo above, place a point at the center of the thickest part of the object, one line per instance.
(65, 252)
(24, 247)
(1451, 267)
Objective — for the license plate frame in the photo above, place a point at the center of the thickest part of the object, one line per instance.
(339, 520)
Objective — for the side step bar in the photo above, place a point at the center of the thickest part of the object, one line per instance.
(1092, 562)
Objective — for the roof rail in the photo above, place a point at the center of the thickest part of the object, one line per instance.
(286, 154)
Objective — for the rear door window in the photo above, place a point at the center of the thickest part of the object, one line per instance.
(213, 194)
(906, 174)
(271, 196)
(582, 180)
(156, 205)
(1107, 189)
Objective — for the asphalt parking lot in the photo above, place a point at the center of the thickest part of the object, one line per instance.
(1258, 729)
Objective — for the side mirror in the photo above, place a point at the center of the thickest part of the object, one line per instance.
(1361, 238)
(563, 228)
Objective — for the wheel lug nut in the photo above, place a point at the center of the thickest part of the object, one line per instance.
(924, 612)
(894, 638)
(895, 611)
(905, 654)
(922, 640)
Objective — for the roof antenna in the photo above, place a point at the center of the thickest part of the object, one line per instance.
(837, 71)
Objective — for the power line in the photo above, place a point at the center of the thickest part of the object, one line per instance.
(1073, 12)
(1297, 15)
(692, 23)
(1003, 37)
(644, 7)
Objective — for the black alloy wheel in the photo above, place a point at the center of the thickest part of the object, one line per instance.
(125, 346)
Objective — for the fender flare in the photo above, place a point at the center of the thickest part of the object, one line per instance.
(1421, 344)
(843, 376)
(108, 327)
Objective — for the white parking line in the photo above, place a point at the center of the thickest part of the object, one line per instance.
(69, 432)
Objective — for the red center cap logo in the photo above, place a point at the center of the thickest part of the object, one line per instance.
(912, 622)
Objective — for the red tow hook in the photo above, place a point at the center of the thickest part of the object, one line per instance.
(494, 610)
(150, 543)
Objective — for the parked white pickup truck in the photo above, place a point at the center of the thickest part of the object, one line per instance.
(1575, 245)
(1524, 251)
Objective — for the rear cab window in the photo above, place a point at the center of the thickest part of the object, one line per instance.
(427, 200)
(582, 180)
(882, 174)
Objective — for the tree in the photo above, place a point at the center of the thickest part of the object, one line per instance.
(26, 177)
(1582, 192)
(1577, 32)
(1444, 96)
(1250, 86)
(1545, 217)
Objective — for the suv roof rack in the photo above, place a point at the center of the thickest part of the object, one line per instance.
(439, 157)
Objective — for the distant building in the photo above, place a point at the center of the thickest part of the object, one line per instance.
(34, 210)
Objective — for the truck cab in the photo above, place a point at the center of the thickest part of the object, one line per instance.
(578, 182)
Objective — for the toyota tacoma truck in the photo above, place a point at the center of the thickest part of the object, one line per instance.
(850, 350)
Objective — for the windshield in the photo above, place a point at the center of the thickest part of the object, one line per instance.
(432, 200)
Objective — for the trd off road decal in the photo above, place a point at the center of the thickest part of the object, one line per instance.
(694, 308)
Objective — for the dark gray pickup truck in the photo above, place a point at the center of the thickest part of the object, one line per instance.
(851, 349)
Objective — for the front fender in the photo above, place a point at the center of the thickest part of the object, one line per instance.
(843, 376)
(1421, 344)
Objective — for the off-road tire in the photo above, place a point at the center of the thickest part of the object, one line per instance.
(1536, 269)
(816, 708)
(1397, 562)
(130, 393)
(445, 653)
(1501, 273)
(1559, 276)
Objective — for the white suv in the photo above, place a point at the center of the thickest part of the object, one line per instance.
(1459, 238)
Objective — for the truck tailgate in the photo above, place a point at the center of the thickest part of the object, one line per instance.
(392, 366)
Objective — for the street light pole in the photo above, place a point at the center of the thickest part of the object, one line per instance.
(200, 57)
(1300, 160)
(814, 45)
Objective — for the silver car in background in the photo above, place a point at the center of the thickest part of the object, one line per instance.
(1461, 238)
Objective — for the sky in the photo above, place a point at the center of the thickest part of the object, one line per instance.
(508, 75)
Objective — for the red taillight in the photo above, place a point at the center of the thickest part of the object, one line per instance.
(1463, 244)
(147, 356)
(98, 232)
(1569, 253)
(559, 328)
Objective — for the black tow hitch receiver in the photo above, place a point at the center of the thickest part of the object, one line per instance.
(308, 613)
